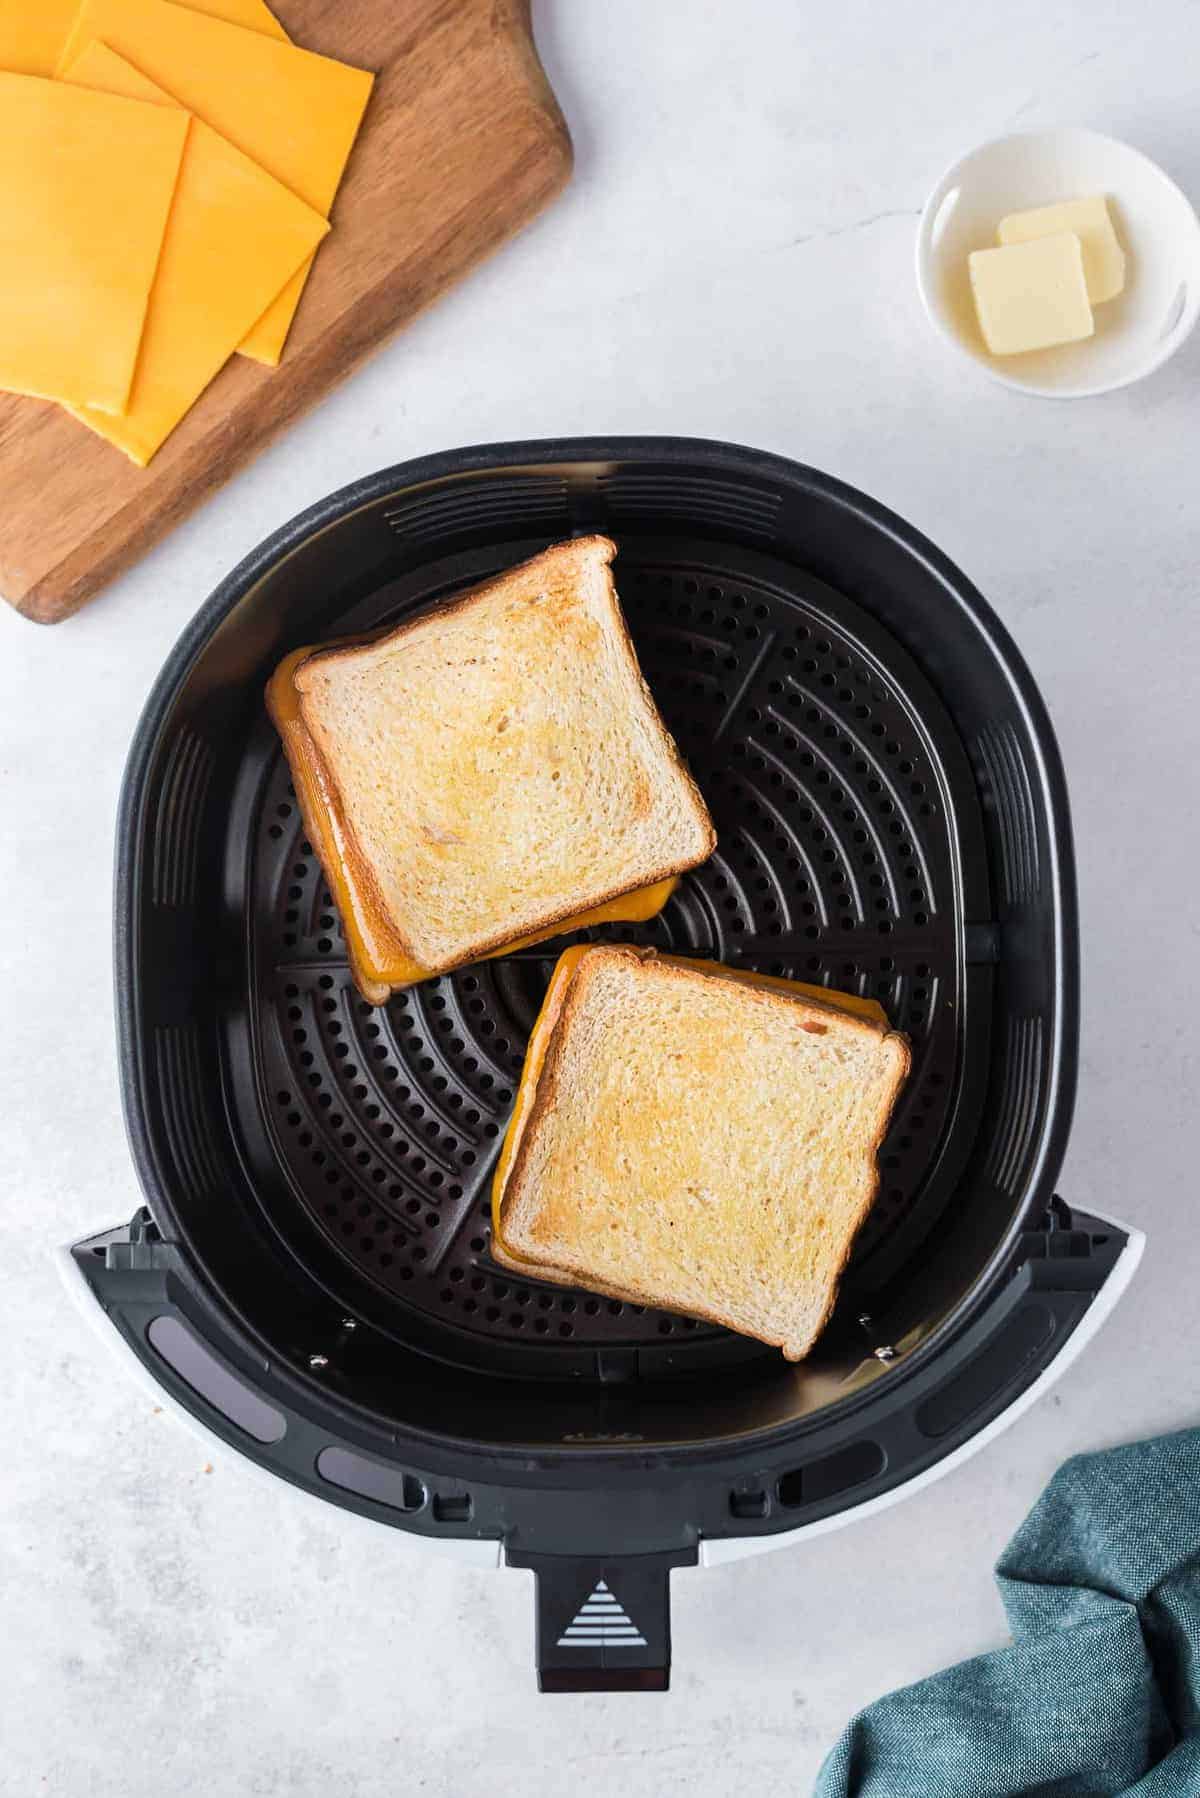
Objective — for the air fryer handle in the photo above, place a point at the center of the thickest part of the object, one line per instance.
(603, 1625)
(603, 1621)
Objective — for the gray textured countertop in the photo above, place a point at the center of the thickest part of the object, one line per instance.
(733, 260)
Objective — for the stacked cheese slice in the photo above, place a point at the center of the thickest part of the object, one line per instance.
(166, 176)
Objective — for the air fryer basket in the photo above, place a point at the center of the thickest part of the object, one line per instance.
(892, 821)
(850, 852)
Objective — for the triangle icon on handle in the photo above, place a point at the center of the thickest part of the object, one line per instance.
(602, 1622)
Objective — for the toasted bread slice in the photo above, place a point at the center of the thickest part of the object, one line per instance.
(490, 774)
(698, 1141)
(535, 1057)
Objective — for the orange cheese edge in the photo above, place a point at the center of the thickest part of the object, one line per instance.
(266, 341)
(32, 34)
(235, 235)
(293, 112)
(320, 817)
(86, 186)
(55, 48)
(36, 34)
(543, 1029)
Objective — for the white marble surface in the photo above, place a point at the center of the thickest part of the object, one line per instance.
(733, 260)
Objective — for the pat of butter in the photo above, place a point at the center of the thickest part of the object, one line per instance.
(1090, 220)
(1030, 296)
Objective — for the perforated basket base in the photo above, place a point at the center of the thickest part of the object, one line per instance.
(850, 853)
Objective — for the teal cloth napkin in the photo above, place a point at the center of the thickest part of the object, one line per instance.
(1099, 1694)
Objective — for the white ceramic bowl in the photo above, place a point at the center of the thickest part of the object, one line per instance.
(1154, 220)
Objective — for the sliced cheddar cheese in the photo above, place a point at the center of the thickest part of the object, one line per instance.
(33, 34)
(37, 37)
(86, 182)
(234, 237)
(252, 15)
(294, 113)
(265, 342)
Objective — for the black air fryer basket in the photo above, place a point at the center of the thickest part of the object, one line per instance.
(310, 1276)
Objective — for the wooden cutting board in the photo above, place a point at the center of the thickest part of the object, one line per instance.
(462, 144)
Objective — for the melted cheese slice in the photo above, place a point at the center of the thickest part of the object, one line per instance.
(378, 967)
(86, 183)
(294, 113)
(234, 237)
(543, 1029)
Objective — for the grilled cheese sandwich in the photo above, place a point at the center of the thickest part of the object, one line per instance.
(696, 1137)
(550, 774)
